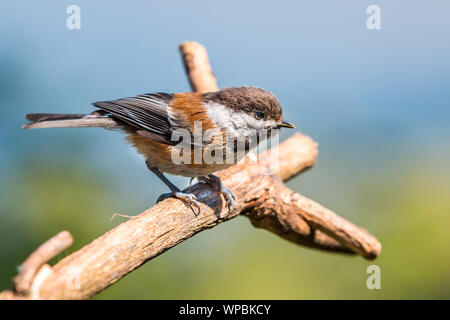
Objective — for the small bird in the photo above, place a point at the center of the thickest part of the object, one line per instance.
(156, 122)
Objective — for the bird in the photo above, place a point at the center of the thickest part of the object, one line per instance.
(163, 128)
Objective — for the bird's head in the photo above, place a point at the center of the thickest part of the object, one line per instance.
(245, 110)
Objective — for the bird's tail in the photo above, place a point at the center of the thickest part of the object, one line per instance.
(49, 120)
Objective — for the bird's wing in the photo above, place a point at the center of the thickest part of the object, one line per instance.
(148, 112)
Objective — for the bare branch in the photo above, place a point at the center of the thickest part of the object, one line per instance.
(198, 69)
(48, 250)
(132, 243)
(302, 220)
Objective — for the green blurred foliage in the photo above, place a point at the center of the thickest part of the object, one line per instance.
(407, 207)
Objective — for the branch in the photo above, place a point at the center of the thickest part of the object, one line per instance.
(48, 250)
(260, 195)
(198, 69)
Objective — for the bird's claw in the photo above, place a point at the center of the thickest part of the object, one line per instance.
(224, 191)
(229, 198)
(189, 199)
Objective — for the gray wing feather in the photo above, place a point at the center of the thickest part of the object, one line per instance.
(147, 111)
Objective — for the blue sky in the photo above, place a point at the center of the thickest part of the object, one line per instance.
(352, 89)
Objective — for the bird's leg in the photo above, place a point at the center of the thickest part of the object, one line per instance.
(189, 199)
(214, 181)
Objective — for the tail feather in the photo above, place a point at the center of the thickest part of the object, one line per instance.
(37, 117)
(49, 120)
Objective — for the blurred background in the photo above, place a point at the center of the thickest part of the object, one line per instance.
(377, 101)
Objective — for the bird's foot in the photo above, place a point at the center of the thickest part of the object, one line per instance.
(228, 196)
(189, 199)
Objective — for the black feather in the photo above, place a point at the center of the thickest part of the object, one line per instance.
(144, 112)
(38, 117)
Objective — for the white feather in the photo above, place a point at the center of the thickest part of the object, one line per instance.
(237, 124)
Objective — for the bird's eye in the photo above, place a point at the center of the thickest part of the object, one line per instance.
(259, 115)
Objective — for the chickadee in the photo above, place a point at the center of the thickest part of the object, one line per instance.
(152, 120)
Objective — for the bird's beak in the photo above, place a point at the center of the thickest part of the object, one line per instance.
(285, 124)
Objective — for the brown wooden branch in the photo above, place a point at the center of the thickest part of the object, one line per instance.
(197, 66)
(260, 195)
(48, 250)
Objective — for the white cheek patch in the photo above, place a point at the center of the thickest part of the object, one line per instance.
(236, 124)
